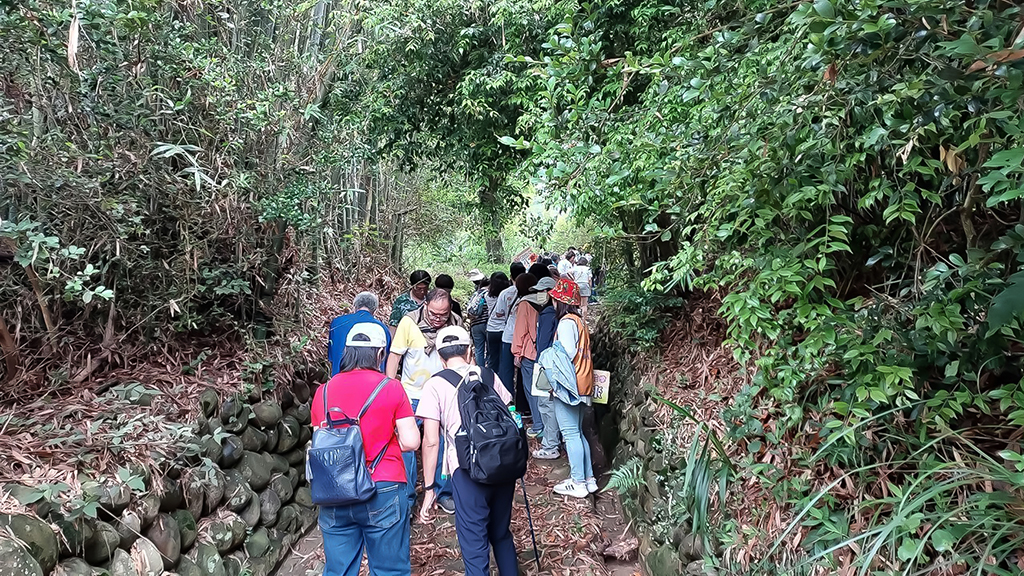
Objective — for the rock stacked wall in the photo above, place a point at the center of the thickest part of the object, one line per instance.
(628, 432)
(232, 504)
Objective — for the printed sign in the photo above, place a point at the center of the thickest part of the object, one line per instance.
(602, 382)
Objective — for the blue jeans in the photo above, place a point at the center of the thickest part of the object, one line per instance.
(570, 423)
(483, 516)
(379, 525)
(507, 369)
(552, 439)
(494, 351)
(479, 334)
(527, 370)
(443, 489)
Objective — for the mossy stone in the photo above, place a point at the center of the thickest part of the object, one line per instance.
(209, 403)
(303, 497)
(253, 439)
(16, 560)
(257, 543)
(301, 413)
(272, 438)
(305, 435)
(288, 518)
(194, 489)
(214, 487)
(232, 451)
(211, 449)
(171, 495)
(267, 413)
(295, 457)
(146, 558)
(37, 536)
(218, 533)
(187, 567)
(294, 478)
(251, 514)
(278, 463)
(233, 564)
(238, 530)
(282, 486)
(289, 431)
(256, 469)
(302, 392)
(121, 564)
(164, 533)
(206, 557)
(73, 534)
(75, 567)
(664, 562)
(270, 504)
(101, 545)
(129, 527)
(147, 507)
(187, 526)
(234, 415)
(236, 491)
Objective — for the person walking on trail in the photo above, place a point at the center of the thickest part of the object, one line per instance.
(495, 324)
(419, 285)
(364, 306)
(483, 512)
(566, 263)
(380, 524)
(524, 337)
(446, 282)
(570, 373)
(414, 348)
(551, 439)
(478, 310)
(582, 275)
(503, 317)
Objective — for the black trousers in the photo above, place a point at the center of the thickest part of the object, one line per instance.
(483, 518)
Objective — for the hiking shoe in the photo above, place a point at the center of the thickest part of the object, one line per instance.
(531, 433)
(591, 484)
(447, 504)
(546, 454)
(570, 488)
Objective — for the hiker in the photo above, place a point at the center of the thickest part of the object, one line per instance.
(446, 282)
(550, 439)
(495, 325)
(388, 430)
(570, 373)
(479, 307)
(566, 263)
(414, 348)
(524, 338)
(505, 321)
(483, 512)
(582, 275)
(364, 306)
(419, 284)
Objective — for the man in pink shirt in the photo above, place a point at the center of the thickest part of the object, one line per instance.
(483, 512)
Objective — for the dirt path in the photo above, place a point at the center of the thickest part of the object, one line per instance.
(572, 535)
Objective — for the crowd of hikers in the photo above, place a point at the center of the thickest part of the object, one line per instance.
(467, 386)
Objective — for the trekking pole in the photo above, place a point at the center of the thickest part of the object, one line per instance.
(529, 518)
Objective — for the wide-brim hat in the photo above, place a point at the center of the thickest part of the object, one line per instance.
(566, 291)
(475, 275)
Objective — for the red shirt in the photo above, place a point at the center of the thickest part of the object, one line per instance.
(349, 391)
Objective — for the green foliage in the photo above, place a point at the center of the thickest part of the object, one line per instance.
(638, 315)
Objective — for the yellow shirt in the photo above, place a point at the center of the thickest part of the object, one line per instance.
(417, 365)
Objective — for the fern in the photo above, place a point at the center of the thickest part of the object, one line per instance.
(627, 478)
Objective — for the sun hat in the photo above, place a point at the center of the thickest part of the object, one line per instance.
(545, 283)
(373, 331)
(475, 275)
(452, 336)
(566, 291)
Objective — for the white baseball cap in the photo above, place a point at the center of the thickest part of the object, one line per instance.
(453, 336)
(475, 275)
(374, 332)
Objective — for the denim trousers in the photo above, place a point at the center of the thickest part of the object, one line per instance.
(479, 334)
(380, 525)
(570, 423)
(552, 439)
(527, 367)
(494, 352)
(443, 489)
(483, 518)
(507, 368)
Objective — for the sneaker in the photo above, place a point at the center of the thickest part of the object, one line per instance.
(447, 504)
(531, 433)
(570, 488)
(546, 454)
(591, 484)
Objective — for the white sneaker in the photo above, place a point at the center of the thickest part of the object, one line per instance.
(591, 484)
(546, 453)
(570, 488)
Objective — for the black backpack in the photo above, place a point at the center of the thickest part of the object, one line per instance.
(490, 446)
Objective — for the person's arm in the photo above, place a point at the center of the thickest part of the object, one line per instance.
(394, 360)
(431, 442)
(520, 333)
(408, 434)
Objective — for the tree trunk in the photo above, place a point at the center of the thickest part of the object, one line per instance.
(492, 220)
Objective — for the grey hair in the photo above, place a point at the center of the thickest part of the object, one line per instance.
(367, 300)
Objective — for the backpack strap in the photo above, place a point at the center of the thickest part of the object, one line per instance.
(366, 406)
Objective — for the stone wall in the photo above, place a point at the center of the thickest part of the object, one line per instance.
(233, 503)
(629, 433)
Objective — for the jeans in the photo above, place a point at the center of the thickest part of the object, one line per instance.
(380, 525)
(494, 351)
(527, 369)
(443, 489)
(479, 334)
(552, 437)
(507, 369)
(570, 423)
(483, 515)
